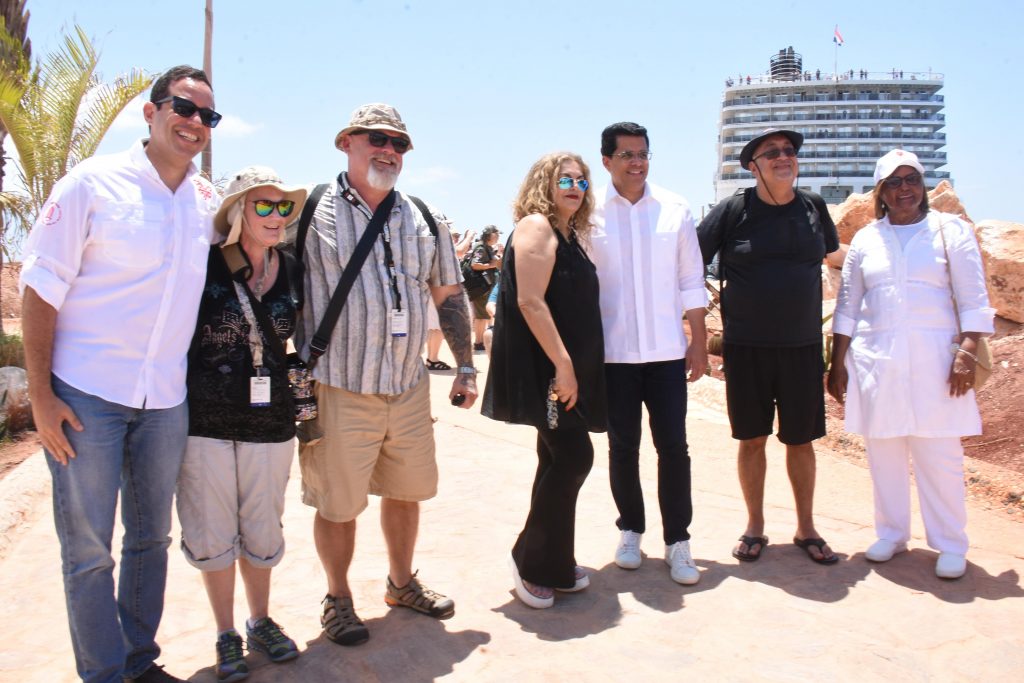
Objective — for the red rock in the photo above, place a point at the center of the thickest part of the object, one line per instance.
(1002, 250)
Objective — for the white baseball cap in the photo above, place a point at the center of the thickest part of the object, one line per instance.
(893, 160)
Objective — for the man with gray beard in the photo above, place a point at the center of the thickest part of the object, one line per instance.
(372, 386)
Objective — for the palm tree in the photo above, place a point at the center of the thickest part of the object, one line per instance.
(15, 55)
(15, 52)
(59, 115)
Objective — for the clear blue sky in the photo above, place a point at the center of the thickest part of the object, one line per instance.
(486, 88)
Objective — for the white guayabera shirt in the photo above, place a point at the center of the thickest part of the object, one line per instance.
(651, 272)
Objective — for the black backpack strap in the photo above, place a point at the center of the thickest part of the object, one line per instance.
(307, 217)
(735, 213)
(427, 216)
(318, 344)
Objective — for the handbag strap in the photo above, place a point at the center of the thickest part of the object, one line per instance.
(949, 273)
(318, 344)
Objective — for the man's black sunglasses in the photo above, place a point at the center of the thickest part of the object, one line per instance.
(186, 109)
(377, 139)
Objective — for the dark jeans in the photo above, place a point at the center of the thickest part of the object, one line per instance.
(661, 387)
(545, 550)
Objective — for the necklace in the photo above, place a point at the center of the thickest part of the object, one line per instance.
(261, 280)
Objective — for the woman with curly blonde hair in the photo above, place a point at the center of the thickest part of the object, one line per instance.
(547, 365)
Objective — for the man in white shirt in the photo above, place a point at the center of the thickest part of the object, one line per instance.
(112, 277)
(649, 264)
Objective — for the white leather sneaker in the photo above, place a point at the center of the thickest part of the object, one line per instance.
(684, 571)
(883, 550)
(627, 555)
(950, 566)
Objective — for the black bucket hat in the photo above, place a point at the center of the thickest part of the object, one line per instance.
(747, 155)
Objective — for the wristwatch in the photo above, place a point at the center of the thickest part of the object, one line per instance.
(466, 370)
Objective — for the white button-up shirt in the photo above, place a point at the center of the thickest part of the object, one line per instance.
(123, 260)
(651, 272)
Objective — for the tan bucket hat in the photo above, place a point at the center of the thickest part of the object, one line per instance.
(251, 178)
(376, 116)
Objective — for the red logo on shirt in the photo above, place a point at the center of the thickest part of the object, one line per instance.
(204, 188)
(51, 213)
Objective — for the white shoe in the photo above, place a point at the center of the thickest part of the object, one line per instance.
(582, 581)
(883, 550)
(525, 595)
(627, 555)
(950, 566)
(684, 571)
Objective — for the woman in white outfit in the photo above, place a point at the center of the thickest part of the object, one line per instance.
(906, 373)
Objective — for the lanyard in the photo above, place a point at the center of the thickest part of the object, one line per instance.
(255, 341)
(389, 259)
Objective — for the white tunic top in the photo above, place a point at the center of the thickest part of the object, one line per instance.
(651, 272)
(123, 260)
(895, 303)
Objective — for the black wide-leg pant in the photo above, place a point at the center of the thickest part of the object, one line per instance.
(544, 551)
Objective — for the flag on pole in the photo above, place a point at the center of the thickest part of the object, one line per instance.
(837, 37)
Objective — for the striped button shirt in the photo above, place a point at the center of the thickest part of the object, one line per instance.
(363, 357)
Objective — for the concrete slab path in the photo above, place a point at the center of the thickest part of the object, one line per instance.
(782, 618)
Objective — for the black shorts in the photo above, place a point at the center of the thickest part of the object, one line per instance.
(479, 305)
(759, 378)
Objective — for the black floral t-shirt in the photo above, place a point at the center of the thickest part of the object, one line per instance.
(220, 361)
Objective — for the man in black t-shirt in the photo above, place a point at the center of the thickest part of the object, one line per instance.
(771, 240)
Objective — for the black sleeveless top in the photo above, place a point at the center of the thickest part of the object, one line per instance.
(519, 373)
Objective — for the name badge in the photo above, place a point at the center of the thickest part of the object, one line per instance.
(399, 323)
(259, 391)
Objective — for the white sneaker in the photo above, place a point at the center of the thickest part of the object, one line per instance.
(627, 555)
(684, 571)
(883, 550)
(950, 566)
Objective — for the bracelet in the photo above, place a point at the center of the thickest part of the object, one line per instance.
(466, 370)
(967, 353)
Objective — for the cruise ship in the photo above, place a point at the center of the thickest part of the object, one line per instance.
(848, 119)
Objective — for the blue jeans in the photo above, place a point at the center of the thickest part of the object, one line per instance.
(137, 452)
(661, 386)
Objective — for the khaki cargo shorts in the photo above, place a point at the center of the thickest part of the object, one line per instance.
(371, 443)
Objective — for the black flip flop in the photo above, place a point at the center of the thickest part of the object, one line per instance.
(818, 543)
(750, 542)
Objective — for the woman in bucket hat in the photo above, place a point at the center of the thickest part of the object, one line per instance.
(242, 414)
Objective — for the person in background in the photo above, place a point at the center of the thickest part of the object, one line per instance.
(486, 264)
(547, 366)
(906, 390)
(242, 415)
(111, 281)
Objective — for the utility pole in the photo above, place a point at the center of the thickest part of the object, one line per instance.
(207, 159)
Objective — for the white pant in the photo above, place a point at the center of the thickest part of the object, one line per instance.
(939, 471)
